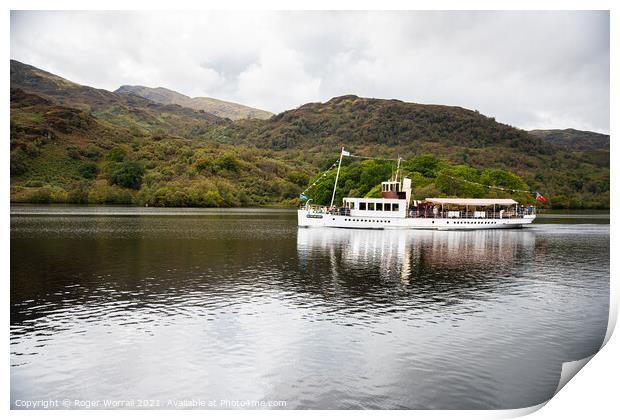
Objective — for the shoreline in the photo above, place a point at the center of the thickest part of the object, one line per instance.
(275, 207)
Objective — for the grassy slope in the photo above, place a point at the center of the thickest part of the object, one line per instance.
(574, 139)
(60, 131)
(372, 127)
(48, 154)
(129, 111)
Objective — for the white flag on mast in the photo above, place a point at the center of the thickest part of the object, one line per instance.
(345, 153)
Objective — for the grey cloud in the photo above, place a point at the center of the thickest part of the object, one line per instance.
(230, 65)
(528, 69)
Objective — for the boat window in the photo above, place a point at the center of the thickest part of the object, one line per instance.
(387, 207)
(362, 206)
(395, 207)
(352, 205)
(371, 206)
(379, 206)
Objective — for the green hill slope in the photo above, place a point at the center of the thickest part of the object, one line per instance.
(574, 139)
(61, 154)
(130, 111)
(73, 143)
(377, 127)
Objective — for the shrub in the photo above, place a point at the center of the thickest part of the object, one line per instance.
(158, 134)
(40, 195)
(79, 193)
(127, 175)
(227, 162)
(117, 154)
(297, 178)
(425, 191)
(44, 195)
(152, 178)
(18, 163)
(425, 164)
(33, 184)
(205, 164)
(91, 152)
(88, 170)
(105, 194)
(32, 150)
(73, 152)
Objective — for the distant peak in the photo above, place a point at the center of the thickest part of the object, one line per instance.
(343, 98)
(213, 106)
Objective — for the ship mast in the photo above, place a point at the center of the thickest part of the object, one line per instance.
(337, 174)
(396, 176)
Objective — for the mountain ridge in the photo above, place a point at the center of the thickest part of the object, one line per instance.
(117, 108)
(218, 107)
(73, 143)
(574, 139)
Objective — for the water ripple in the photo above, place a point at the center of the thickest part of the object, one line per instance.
(241, 305)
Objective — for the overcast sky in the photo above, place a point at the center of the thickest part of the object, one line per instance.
(527, 69)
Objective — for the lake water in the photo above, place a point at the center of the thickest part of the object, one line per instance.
(170, 305)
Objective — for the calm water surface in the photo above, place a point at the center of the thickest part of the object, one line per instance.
(173, 304)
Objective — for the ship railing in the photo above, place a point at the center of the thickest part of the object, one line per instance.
(455, 214)
(342, 211)
(315, 208)
(318, 209)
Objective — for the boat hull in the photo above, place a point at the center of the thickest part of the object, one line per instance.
(307, 218)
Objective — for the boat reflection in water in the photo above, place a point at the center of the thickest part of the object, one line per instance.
(247, 307)
(405, 255)
(469, 317)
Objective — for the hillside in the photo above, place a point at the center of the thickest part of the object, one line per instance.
(574, 139)
(122, 110)
(213, 106)
(61, 154)
(378, 127)
(393, 123)
(73, 143)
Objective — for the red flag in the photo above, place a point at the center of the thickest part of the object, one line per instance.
(540, 198)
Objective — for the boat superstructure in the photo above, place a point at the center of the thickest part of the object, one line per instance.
(395, 209)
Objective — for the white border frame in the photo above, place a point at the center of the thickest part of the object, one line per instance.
(592, 394)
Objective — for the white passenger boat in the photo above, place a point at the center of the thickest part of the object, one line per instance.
(396, 210)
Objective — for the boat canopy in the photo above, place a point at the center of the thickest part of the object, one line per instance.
(472, 201)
